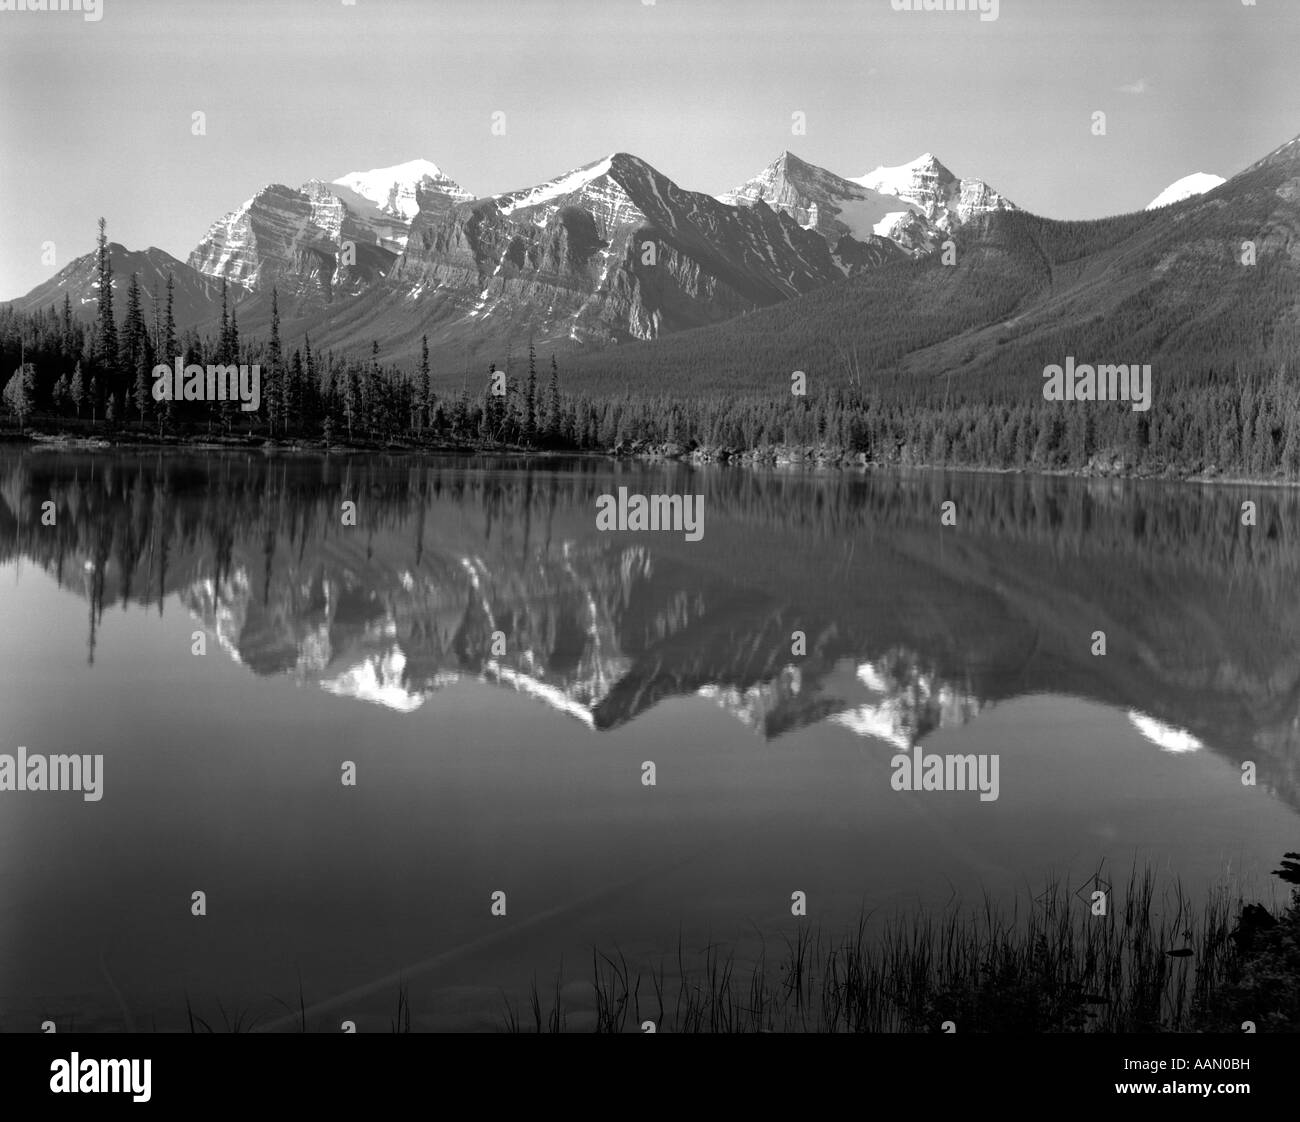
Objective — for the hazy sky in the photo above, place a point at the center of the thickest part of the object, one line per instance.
(97, 116)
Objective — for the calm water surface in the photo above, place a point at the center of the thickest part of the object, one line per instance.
(498, 671)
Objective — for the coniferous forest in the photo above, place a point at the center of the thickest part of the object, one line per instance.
(70, 378)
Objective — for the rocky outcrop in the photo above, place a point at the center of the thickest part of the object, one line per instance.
(324, 239)
(616, 251)
(944, 200)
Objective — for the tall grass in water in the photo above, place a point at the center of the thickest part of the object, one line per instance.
(1153, 963)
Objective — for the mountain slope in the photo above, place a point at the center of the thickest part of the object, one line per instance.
(196, 298)
(1165, 287)
(614, 251)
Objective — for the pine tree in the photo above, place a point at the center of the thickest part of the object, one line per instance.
(170, 347)
(293, 390)
(553, 403)
(169, 344)
(106, 338)
(275, 396)
(370, 391)
(312, 392)
(233, 347)
(133, 339)
(67, 323)
(155, 336)
(228, 407)
(530, 395)
(351, 394)
(423, 402)
(223, 337)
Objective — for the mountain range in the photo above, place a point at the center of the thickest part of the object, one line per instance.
(609, 252)
(621, 268)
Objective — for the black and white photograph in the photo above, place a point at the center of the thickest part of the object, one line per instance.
(650, 517)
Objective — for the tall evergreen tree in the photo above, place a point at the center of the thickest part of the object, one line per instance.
(351, 397)
(133, 332)
(424, 403)
(156, 335)
(67, 323)
(293, 392)
(276, 406)
(233, 347)
(530, 395)
(170, 347)
(553, 403)
(106, 337)
(223, 337)
(312, 392)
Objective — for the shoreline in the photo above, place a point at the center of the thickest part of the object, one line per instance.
(803, 459)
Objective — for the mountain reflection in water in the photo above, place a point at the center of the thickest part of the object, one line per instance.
(499, 670)
(495, 572)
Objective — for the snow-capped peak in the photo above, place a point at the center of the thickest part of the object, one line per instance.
(943, 198)
(900, 180)
(1189, 186)
(566, 184)
(394, 189)
(821, 200)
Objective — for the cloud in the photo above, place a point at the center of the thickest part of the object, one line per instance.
(1139, 87)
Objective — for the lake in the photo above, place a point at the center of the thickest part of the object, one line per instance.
(349, 733)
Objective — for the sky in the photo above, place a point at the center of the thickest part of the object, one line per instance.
(98, 114)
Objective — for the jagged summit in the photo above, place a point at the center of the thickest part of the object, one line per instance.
(915, 205)
(583, 256)
(941, 196)
(820, 200)
(294, 238)
(899, 179)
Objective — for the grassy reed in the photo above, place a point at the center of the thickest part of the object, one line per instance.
(1153, 963)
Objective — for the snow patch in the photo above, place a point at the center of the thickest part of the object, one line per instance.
(555, 189)
(1186, 188)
